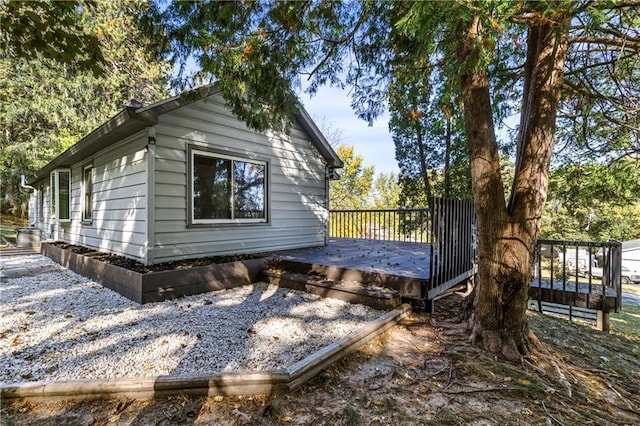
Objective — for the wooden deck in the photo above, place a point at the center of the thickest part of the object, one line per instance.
(402, 259)
(585, 295)
(383, 257)
(402, 266)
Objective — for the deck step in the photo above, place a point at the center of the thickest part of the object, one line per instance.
(408, 287)
(371, 295)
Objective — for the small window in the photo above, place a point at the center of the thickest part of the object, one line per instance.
(227, 189)
(87, 191)
(61, 195)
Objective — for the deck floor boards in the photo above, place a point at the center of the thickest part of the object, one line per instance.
(400, 259)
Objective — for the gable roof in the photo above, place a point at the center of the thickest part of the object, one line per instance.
(131, 120)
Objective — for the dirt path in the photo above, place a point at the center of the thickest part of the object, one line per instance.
(422, 372)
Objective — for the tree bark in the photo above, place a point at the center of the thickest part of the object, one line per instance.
(447, 158)
(423, 163)
(507, 233)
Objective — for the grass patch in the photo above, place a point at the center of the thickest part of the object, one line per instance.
(627, 323)
(8, 225)
(595, 355)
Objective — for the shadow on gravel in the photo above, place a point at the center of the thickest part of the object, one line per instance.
(75, 328)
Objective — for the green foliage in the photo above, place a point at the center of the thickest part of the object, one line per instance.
(430, 145)
(594, 202)
(386, 192)
(8, 226)
(408, 54)
(600, 110)
(55, 30)
(353, 189)
(48, 105)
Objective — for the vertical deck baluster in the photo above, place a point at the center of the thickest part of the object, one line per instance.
(539, 256)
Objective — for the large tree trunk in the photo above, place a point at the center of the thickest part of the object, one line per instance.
(508, 233)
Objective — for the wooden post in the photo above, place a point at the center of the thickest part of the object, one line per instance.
(602, 320)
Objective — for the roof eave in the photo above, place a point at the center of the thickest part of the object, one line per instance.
(131, 120)
(126, 122)
(123, 124)
(318, 139)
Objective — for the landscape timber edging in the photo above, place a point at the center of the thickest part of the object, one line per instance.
(224, 384)
(158, 286)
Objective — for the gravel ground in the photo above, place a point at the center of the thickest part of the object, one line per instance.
(56, 324)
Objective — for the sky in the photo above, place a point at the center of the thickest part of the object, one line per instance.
(333, 106)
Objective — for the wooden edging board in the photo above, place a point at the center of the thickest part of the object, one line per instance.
(382, 299)
(241, 383)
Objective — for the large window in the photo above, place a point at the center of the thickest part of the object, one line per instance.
(61, 195)
(87, 190)
(227, 189)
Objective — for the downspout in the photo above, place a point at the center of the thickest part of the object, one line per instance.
(331, 174)
(327, 176)
(151, 192)
(23, 185)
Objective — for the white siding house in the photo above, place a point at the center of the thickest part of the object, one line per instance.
(185, 178)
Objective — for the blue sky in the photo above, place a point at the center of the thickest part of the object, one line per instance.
(333, 105)
(374, 143)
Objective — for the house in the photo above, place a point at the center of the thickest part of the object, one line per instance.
(631, 255)
(184, 178)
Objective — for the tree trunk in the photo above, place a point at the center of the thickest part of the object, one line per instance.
(508, 233)
(423, 163)
(447, 158)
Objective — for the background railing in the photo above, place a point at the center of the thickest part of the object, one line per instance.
(576, 266)
(411, 225)
(451, 230)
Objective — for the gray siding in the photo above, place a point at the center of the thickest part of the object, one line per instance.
(119, 202)
(296, 190)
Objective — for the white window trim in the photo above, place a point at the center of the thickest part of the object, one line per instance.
(83, 191)
(55, 180)
(211, 154)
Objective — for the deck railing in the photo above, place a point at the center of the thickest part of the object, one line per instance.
(411, 225)
(449, 228)
(579, 268)
(454, 244)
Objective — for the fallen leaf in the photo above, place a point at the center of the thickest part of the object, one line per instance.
(244, 418)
